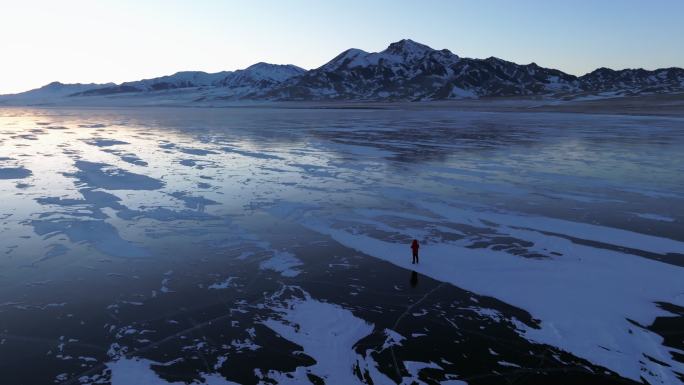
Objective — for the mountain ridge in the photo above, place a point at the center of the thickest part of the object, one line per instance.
(405, 71)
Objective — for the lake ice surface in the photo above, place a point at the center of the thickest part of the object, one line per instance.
(271, 245)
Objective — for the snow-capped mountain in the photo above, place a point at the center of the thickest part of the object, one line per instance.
(261, 75)
(406, 70)
(254, 81)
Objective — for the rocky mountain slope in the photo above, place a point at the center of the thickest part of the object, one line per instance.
(634, 81)
(407, 70)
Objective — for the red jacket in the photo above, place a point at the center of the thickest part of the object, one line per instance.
(415, 245)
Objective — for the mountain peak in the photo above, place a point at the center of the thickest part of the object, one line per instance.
(344, 58)
(53, 84)
(263, 66)
(408, 46)
(260, 75)
(260, 64)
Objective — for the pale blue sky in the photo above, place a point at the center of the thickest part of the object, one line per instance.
(120, 40)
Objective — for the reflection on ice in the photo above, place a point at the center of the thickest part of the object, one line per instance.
(100, 235)
(101, 175)
(14, 173)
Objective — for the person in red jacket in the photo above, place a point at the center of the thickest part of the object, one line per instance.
(415, 246)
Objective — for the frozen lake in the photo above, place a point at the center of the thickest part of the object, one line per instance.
(271, 245)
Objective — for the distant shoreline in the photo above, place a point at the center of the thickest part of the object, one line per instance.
(649, 105)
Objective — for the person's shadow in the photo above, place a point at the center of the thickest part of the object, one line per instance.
(414, 279)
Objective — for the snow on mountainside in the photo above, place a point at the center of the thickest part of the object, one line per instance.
(51, 91)
(249, 80)
(185, 79)
(397, 54)
(404, 71)
(262, 73)
(255, 80)
(407, 70)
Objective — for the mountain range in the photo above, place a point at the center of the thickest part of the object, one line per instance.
(405, 71)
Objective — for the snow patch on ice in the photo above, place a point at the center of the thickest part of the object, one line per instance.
(282, 262)
(392, 339)
(138, 371)
(226, 283)
(327, 333)
(414, 368)
(128, 371)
